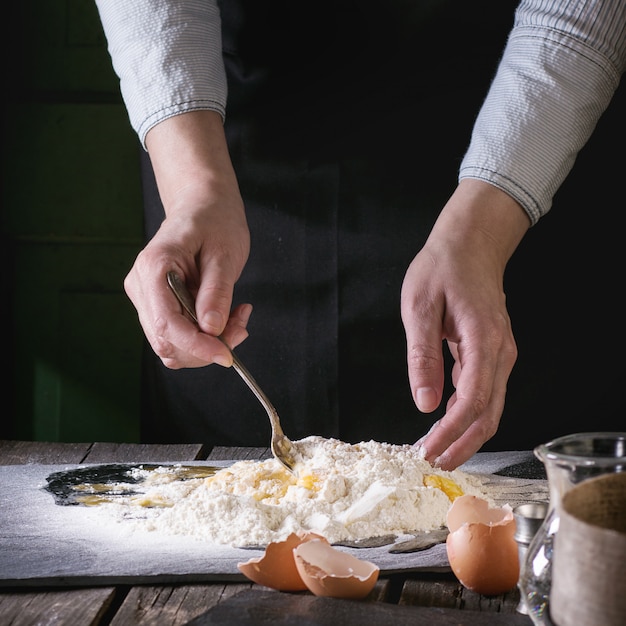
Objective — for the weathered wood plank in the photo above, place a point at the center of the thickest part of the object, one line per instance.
(503, 603)
(56, 453)
(257, 606)
(430, 591)
(225, 453)
(449, 593)
(102, 452)
(171, 605)
(47, 453)
(381, 591)
(61, 608)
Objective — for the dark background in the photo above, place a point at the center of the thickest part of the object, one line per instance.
(71, 226)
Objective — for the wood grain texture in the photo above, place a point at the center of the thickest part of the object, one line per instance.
(20, 452)
(61, 608)
(141, 453)
(225, 453)
(172, 605)
(257, 607)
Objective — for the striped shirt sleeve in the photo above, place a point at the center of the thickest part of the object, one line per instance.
(167, 55)
(560, 68)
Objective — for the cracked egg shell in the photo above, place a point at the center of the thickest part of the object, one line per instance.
(481, 546)
(276, 568)
(329, 572)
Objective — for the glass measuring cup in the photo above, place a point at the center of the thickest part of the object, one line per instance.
(568, 460)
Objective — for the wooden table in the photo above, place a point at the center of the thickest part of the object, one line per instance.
(408, 598)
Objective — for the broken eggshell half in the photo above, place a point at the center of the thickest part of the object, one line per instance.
(276, 568)
(481, 546)
(329, 572)
(307, 561)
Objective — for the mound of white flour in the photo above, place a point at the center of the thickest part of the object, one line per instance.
(342, 491)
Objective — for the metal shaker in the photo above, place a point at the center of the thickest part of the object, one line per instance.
(528, 519)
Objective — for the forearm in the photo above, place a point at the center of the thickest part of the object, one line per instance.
(191, 163)
(560, 68)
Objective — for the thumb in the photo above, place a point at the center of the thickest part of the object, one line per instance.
(214, 301)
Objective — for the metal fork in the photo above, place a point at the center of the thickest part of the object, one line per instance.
(282, 448)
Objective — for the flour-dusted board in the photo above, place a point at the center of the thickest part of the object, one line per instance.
(42, 542)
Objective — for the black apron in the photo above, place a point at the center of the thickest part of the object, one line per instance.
(346, 123)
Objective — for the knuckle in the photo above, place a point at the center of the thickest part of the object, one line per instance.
(485, 428)
(422, 358)
(502, 333)
(220, 292)
(160, 328)
(162, 348)
(479, 404)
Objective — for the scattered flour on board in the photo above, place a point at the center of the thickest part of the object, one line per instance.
(342, 491)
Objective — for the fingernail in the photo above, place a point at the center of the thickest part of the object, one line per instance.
(426, 399)
(247, 312)
(219, 359)
(212, 322)
(442, 461)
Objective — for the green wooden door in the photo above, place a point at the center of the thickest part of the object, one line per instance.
(71, 227)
